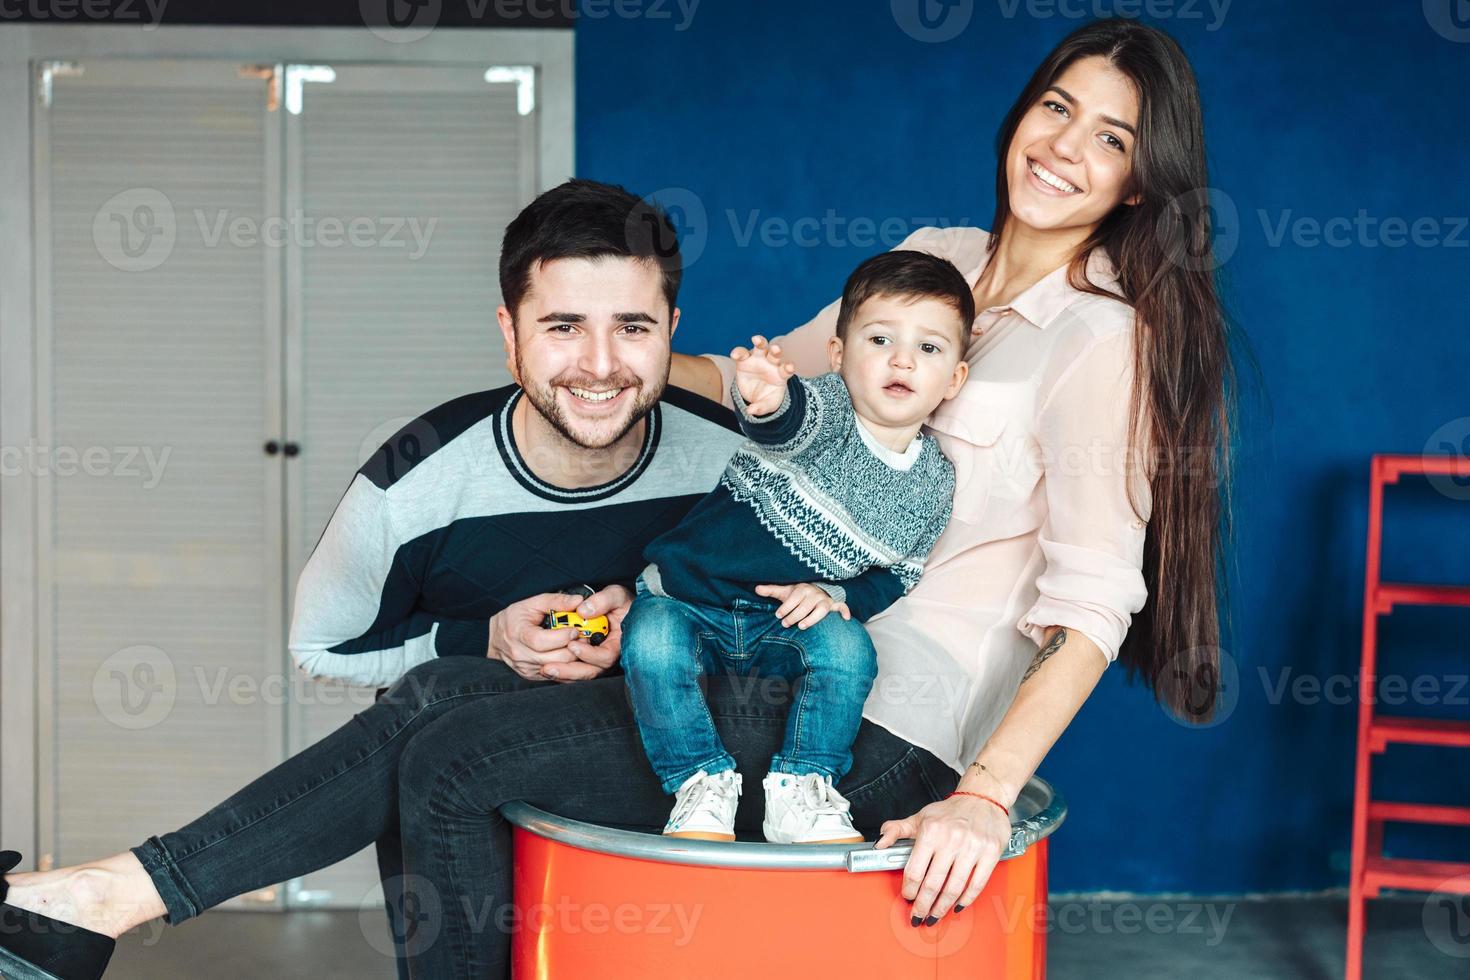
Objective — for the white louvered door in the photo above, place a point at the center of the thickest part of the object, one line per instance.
(432, 164)
(160, 562)
(192, 302)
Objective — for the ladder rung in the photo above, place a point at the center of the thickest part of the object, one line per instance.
(1382, 872)
(1450, 816)
(1445, 464)
(1417, 731)
(1390, 594)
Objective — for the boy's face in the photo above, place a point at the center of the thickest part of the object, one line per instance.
(589, 345)
(901, 357)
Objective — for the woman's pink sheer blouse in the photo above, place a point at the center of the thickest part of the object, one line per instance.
(1043, 532)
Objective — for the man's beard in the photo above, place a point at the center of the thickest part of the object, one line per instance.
(543, 399)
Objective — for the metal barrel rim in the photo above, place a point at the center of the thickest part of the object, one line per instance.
(1039, 811)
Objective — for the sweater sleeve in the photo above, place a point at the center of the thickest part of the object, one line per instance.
(774, 428)
(869, 593)
(355, 615)
(812, 407)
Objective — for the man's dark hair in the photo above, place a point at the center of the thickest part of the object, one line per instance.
(586, 219)
(907, 274)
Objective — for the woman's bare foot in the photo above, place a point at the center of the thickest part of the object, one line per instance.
(109, 896)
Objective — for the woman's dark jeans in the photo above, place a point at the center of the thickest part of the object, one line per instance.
(436, 757)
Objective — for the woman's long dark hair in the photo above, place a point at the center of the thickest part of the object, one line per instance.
(1183, 403)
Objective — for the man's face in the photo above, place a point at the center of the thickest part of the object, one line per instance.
(901, 358)
(590, 345)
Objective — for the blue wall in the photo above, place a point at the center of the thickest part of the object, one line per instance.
(1316, 110)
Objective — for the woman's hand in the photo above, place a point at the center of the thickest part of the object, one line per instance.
(804, 604)
(957, 843)
(761, 375)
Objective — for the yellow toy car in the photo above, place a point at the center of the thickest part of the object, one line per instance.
(594, 629)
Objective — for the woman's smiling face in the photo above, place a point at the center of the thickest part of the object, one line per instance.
(1070, 160)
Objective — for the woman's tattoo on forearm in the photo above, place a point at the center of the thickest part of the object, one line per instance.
(1044, 652)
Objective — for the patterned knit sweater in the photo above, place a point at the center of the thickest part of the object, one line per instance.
(805, 500)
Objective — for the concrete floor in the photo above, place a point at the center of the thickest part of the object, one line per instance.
(1095, 937)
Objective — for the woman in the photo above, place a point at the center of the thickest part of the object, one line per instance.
(1099, 332)
(1068, 548)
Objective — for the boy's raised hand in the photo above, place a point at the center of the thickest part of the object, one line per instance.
(761, 375)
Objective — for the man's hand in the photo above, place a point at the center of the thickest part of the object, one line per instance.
(518, 639)
(594, 661)
(761, 375)
(804, 604)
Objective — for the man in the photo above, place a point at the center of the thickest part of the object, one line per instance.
(477, 519)
(445, 553)
(473, 521)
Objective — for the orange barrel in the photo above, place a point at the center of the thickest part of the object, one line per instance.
(619, 903)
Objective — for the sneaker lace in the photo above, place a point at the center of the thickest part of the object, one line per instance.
(820, 796)
(707, 793)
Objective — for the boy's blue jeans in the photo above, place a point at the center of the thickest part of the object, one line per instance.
(670, 646)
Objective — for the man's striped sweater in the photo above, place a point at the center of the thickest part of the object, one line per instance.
(446, 525)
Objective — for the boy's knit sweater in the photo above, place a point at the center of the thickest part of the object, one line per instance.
(806, 500)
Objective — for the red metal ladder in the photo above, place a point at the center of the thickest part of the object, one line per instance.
(1371, 871)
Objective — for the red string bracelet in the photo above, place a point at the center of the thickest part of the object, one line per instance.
(965, 792)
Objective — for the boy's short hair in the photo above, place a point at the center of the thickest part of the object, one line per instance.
(587, 219)
(907, 274)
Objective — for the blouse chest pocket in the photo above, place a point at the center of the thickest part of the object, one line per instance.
(969, 432)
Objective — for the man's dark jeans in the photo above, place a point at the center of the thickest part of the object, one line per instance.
(444, 748)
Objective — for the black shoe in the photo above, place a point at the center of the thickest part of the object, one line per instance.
(36, 947)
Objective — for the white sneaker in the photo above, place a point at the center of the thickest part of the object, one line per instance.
(704, 806)
(806, 809)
